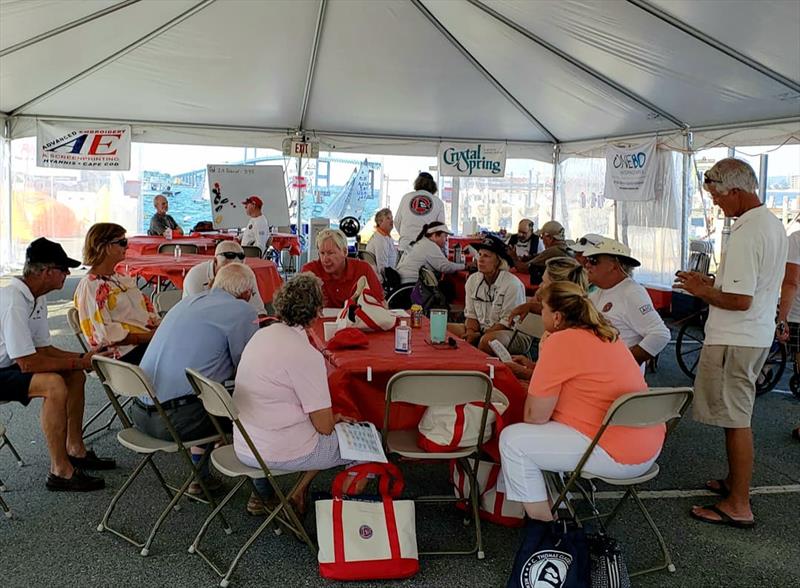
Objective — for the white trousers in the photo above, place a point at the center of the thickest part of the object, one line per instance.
(528, 450)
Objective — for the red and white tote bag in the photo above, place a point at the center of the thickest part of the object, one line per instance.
(448, 428)
(364, 311)
(367, 540)
(493, 505)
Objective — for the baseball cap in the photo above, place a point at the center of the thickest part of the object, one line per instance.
(254, 200)
(612, 247)
(588, 240)
(552, 228)
(228, 246)
(496, 246)
(44, 251)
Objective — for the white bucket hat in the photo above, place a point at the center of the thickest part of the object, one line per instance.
(608, 246)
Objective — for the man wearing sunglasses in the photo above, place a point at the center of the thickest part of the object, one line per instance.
(30, 367)
(201, 276)
(738, 332)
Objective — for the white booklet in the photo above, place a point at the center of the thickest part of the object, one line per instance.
(360, 442)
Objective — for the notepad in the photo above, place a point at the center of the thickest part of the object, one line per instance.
(360, 442)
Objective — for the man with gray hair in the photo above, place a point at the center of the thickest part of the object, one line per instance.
(207, 332)
(162, 223)
(201, 276)
(738, 333)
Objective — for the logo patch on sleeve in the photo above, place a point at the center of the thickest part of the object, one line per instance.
(646, 308)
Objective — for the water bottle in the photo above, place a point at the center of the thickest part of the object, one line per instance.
(457, 258)
(177, 252)
(402, 338)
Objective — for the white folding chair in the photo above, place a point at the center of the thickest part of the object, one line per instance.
(6, 442)
(369, 257)
(218, 403)
(163, 301)
(640, 409)
(440, 388)
(251, 251)
(75, 325)
(123, 379)
(3, 506)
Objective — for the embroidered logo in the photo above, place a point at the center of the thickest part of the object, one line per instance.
(545, 569)
(646, 308)
(608, 306)
(365, 531)
(421, 204)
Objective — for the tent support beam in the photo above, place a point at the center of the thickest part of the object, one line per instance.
(312, 63)
(479, 66)
(715, 44)
(66, 27)
(686, 199)
(113, 57)
(579, 64)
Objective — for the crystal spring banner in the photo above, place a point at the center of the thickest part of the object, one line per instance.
(83, 146)
(472, 159)
(631, 172)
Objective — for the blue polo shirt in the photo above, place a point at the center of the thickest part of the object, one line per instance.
(206, 332)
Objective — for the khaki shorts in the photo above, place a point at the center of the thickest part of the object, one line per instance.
(725, 385)
(521, 344)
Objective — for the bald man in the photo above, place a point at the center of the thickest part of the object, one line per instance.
(161, 221)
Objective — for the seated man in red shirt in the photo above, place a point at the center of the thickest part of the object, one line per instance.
(339, 273)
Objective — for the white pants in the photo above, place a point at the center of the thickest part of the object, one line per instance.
(528, 450)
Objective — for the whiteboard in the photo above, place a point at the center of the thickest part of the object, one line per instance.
(230, 185)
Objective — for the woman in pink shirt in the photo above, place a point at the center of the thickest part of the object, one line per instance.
(583, 368)
(282, 391)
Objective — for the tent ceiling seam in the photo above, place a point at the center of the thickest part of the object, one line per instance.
(66, 27)
(480, 67)
(630, 94)
(312, 64)
(114, 56)
(715, 44)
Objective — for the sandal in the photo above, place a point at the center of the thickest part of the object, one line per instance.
(724, 518)
(721, 488)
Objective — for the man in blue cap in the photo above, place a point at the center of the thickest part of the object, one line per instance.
(30, 367)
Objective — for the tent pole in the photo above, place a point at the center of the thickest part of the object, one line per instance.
(479, 66)
(114, 56)
(579, 64)
(312, 63)
(66, 27)
(7, 224)
(686, 198)
(715, 44)
(556, 156)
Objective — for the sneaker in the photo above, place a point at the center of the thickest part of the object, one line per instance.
(79, 482)
(91, 462)
(213, 484)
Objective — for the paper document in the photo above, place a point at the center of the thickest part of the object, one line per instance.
(329, 312)
(360, 442)
(399, 312)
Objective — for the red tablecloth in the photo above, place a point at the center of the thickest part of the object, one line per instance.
(147, 245)
(281, 241)
(463, 240)
(459, 282)
(216, 235)
(354, 396)
(174, 270)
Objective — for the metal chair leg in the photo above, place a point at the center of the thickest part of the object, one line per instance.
(6, 442)
(667, 563)
(103, 525)
(98, 414)
(4, 507)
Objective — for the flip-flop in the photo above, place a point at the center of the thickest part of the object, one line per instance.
(725, 519)
(721, 489)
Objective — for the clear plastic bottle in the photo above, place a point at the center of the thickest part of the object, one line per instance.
(177, 252)
(457, 255)
(402, 338)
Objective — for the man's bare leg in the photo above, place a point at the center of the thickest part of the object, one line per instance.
(52, 389)
(75, 382)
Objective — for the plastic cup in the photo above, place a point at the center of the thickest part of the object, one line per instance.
(438, 325)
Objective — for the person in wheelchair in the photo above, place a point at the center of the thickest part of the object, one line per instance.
(491, 294)
(427, 249)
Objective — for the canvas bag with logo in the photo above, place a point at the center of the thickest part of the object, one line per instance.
(447, 428)
(367, 540)
(493, 505)
(364, 311)
(553, 554)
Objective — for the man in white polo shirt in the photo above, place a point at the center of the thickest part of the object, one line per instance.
(30, 367)
(622, 301)
(257, 230)
(739, 331)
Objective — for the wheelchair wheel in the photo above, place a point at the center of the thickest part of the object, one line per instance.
(688, 346)
(773, 369)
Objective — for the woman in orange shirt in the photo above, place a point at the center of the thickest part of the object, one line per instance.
(583, 368)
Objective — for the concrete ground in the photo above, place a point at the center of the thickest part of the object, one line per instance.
(52, 541)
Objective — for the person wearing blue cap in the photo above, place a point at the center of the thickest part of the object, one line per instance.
(30, 367)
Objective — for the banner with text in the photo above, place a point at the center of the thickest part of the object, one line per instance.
(472, 159)
(83, 146)
(631, 172)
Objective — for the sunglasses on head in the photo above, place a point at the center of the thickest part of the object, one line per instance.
(121, 242)
(585, 241)
(232, 255)
(707, 180)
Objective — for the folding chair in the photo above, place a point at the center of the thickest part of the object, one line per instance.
(170, 247)
(251, 251)
(123, 379)
(642, 409)
(6, 442)
(433, 295)
(75, 325)
(3, 506)
(369, 257)
(451, 389)
(163, 301)
(218, 403)
(531, 325)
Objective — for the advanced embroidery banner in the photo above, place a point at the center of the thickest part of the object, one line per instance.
(631, 172)
(84, 146)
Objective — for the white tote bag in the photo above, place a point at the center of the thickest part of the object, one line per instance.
(493, 505)
(448, 428)
(364, 311)
(367, 540)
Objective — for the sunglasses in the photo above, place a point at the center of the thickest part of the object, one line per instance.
(593, 260)
(121, 242)
(585, 241)
(232, 255)
(707, 180)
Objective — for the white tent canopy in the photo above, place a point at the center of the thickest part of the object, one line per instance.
(395, 76)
